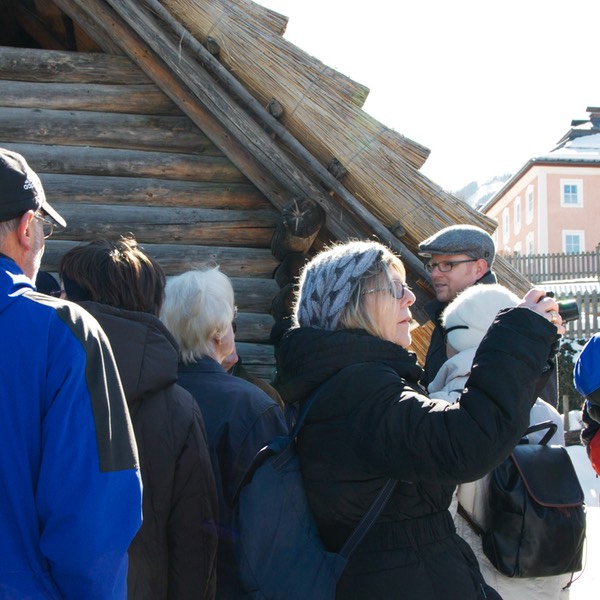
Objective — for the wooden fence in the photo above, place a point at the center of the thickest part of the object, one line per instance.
(560, 266)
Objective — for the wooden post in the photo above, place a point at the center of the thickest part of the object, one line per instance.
(300, 223)
(289, 269)
(283, 303)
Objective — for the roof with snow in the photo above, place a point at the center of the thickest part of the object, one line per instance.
(579, 146)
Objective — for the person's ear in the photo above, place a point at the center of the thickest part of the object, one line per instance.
(482, 267)
(25, 232)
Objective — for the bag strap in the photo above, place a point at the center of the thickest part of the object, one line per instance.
(369, 518)
(462, 511)
(551, 426)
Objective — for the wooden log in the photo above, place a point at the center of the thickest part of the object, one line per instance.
(259, 359)
(283, 303)
(121, 32)
(139, 99)
(126, 163)
(254, 295)
(105, 130)
(92, 189)
(51, 66)
(289, 269)
(158, 225)
(301, 221)
(253, 327)
(177, 258)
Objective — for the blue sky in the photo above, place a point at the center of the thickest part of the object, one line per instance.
(484, 85)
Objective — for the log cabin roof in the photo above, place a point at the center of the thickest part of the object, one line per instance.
(193, 124)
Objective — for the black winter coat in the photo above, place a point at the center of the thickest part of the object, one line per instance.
(373, 422)
(240, 419)
(174, 553)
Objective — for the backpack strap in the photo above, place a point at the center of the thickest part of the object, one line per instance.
(462, 511)
(551, 426)
(368, 520)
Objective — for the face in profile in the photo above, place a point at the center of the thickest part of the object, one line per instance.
(389, 306)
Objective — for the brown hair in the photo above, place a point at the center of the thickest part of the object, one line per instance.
(115, 273)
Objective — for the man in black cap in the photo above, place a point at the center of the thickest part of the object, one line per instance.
(459, 257)
(71, 494)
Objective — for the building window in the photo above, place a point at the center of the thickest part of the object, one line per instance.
(517, 214)
(530, 248)
(505, 225)
(573, 242)
(571, 193)
(529, 204)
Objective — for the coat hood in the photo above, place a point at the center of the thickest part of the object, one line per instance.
(145, 352)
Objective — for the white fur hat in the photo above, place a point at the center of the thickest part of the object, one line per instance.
(473, 311)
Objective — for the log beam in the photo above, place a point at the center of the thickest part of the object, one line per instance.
(126, 163)
(177, 258)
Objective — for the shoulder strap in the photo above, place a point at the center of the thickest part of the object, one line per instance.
(551, 426)
(462, 511)
(378, 504)
(368, 519)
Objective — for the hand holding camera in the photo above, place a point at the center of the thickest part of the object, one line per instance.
(545, 305)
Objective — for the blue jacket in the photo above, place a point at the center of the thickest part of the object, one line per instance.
(71, 493)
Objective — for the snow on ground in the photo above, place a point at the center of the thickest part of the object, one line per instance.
(588, 584)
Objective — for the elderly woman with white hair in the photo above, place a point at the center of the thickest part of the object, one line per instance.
(240, 418)
(373, 421)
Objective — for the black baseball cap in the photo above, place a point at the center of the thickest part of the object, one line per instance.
(21, 189)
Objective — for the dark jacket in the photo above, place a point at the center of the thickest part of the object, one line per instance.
(174, 554)
(240, 419)
(373, 422)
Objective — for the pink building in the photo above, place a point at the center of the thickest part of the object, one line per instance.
(552, 204)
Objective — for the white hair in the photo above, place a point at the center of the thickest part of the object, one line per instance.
(198, 306)
(7, 227)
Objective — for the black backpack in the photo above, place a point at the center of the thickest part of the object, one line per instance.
(280, 553)
(535, 515)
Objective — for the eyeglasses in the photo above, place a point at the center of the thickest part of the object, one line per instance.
(397, 290)
(47, 225)
(447, 265)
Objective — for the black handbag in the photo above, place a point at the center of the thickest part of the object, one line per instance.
(535, 517)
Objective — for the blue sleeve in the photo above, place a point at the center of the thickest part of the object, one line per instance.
(89, 488)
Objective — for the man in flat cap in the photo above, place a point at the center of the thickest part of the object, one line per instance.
(459, 256)
(71, 494)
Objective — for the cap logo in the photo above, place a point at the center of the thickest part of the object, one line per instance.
(28, 185)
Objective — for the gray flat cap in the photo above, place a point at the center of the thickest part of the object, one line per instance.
(460, 239)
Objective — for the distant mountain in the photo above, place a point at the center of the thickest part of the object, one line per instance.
(476, 194)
